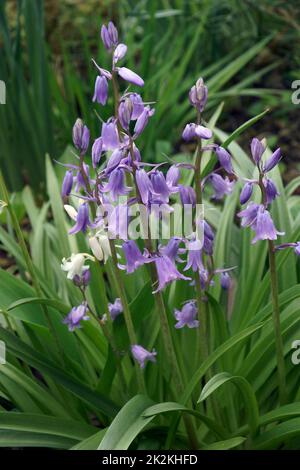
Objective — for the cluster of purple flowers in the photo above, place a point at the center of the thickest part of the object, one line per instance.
(117, 142)
(257, 216)
(117, 170)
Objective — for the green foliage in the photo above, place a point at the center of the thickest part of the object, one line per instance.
(52, 398)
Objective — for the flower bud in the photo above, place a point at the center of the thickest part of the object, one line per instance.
(130, 76)
(198, 95)
(67, 184)
(224, 158)
(246, 193)
(272, 161)
(257, 149)
(119, 52)
(142, 120)
(97, 151)
(81, 136)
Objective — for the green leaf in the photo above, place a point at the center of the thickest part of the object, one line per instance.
(31, 439)
(278, 435)
(227, 444)
(214, 356)
(245, 389)
(43, 424)
(92, 442)
(41, 363)
(173, 406)
(128, 423)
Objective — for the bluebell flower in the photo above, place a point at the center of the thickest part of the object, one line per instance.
(115, 308)
(187, 316)
(67, 184)
(101, 90)
(76, 315)
(82, 221)
(141, 355)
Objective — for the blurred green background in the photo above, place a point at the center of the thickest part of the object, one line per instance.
(248, 53)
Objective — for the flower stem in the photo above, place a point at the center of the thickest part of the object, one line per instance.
(127, 315)
(105, 326)
(276, 309)
(277, 326)
(201, 305)
(165, 327)
(166, 333)
(120, 289)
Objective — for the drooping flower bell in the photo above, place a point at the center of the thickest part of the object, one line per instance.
(249, 214)
(167, 272)
(221, 185)
(246, 192)
(83, 280)
(101, 90)
(142, 121)
(161, 191)
(110, 136)
(116, 184)
(187, 195)
(100, 246)
(67, 184)
(133, 256)
(115, 309)
(171, 249)
(137, 104)
(119, 53)
(224, 158)
(264, 226)
(172, 178)
(225, 280)
(187, 316)
(74, 266)
(194, 251)
(141, 355)
(97, 151)
(144, 185)
(125, 112)
(82, 221)
(76, 315)
(192, 131)
(271, 190)
(130, 76)
(81, 136)
(115, 159)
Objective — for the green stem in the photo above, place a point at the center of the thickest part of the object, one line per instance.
(277, 326)
(202, 314)
(165, 327)
(276, 310)
(106, 328)
(127, 315)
